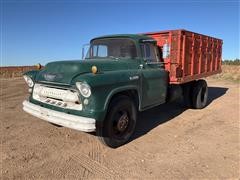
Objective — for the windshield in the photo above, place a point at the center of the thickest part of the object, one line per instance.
(112, 48)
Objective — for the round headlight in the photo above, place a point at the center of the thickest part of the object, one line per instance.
(28, 80)
(84, 89)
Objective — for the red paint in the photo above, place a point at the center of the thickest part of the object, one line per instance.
(192, 55)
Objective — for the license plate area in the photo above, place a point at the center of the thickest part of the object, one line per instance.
(55, 102)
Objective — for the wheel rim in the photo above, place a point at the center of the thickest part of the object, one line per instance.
(121, 124)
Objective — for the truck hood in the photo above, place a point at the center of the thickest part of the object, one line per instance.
(64, 71)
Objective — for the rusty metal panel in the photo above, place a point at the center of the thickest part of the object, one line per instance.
(192, 55)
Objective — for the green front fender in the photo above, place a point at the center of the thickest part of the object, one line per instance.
(104, 86)
(101, 97)
(32, 74)
(104, 101)
(119, 90)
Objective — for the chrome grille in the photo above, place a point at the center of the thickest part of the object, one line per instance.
(64, 98)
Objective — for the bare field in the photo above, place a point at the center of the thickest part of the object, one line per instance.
(14, 71)
(229, 72)
(170, 142)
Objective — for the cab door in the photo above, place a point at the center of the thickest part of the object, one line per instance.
(154, 78)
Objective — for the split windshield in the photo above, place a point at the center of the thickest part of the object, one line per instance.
(112, 48)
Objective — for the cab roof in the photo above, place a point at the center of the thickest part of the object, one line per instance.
(136, 37)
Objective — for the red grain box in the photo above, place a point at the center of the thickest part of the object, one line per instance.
(191, 55)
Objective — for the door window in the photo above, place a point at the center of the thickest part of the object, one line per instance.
(149, 52)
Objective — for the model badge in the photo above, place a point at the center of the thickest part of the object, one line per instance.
(134, 77)
(51, 77)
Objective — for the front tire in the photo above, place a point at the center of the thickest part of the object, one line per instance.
(120, 122)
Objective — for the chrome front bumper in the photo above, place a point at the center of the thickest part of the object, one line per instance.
(67, 120)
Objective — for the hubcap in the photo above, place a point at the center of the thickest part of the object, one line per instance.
(122, 122)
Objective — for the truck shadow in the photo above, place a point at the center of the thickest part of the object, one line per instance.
(152, 118)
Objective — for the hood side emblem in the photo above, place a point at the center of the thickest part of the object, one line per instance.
(51, 77)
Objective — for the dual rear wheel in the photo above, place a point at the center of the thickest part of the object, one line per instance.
(195, 94)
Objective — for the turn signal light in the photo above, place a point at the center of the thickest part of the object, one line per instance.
(94, 69)
(38, 66)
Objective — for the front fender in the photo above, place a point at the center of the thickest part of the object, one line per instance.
(32, 74)
(119, 90)
(105, 85)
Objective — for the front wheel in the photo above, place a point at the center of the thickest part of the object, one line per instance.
(120, 122)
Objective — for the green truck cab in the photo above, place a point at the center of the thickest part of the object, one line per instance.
(120, 76)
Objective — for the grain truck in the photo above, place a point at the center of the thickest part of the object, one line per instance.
(120, 76)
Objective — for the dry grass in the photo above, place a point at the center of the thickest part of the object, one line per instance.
(229, 72)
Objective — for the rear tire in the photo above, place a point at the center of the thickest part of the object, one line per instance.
(120, 122)
(187, 91)
(199, 94)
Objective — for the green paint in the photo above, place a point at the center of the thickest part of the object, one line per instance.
(114, 75)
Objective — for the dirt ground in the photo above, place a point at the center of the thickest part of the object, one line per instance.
(170, 142)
